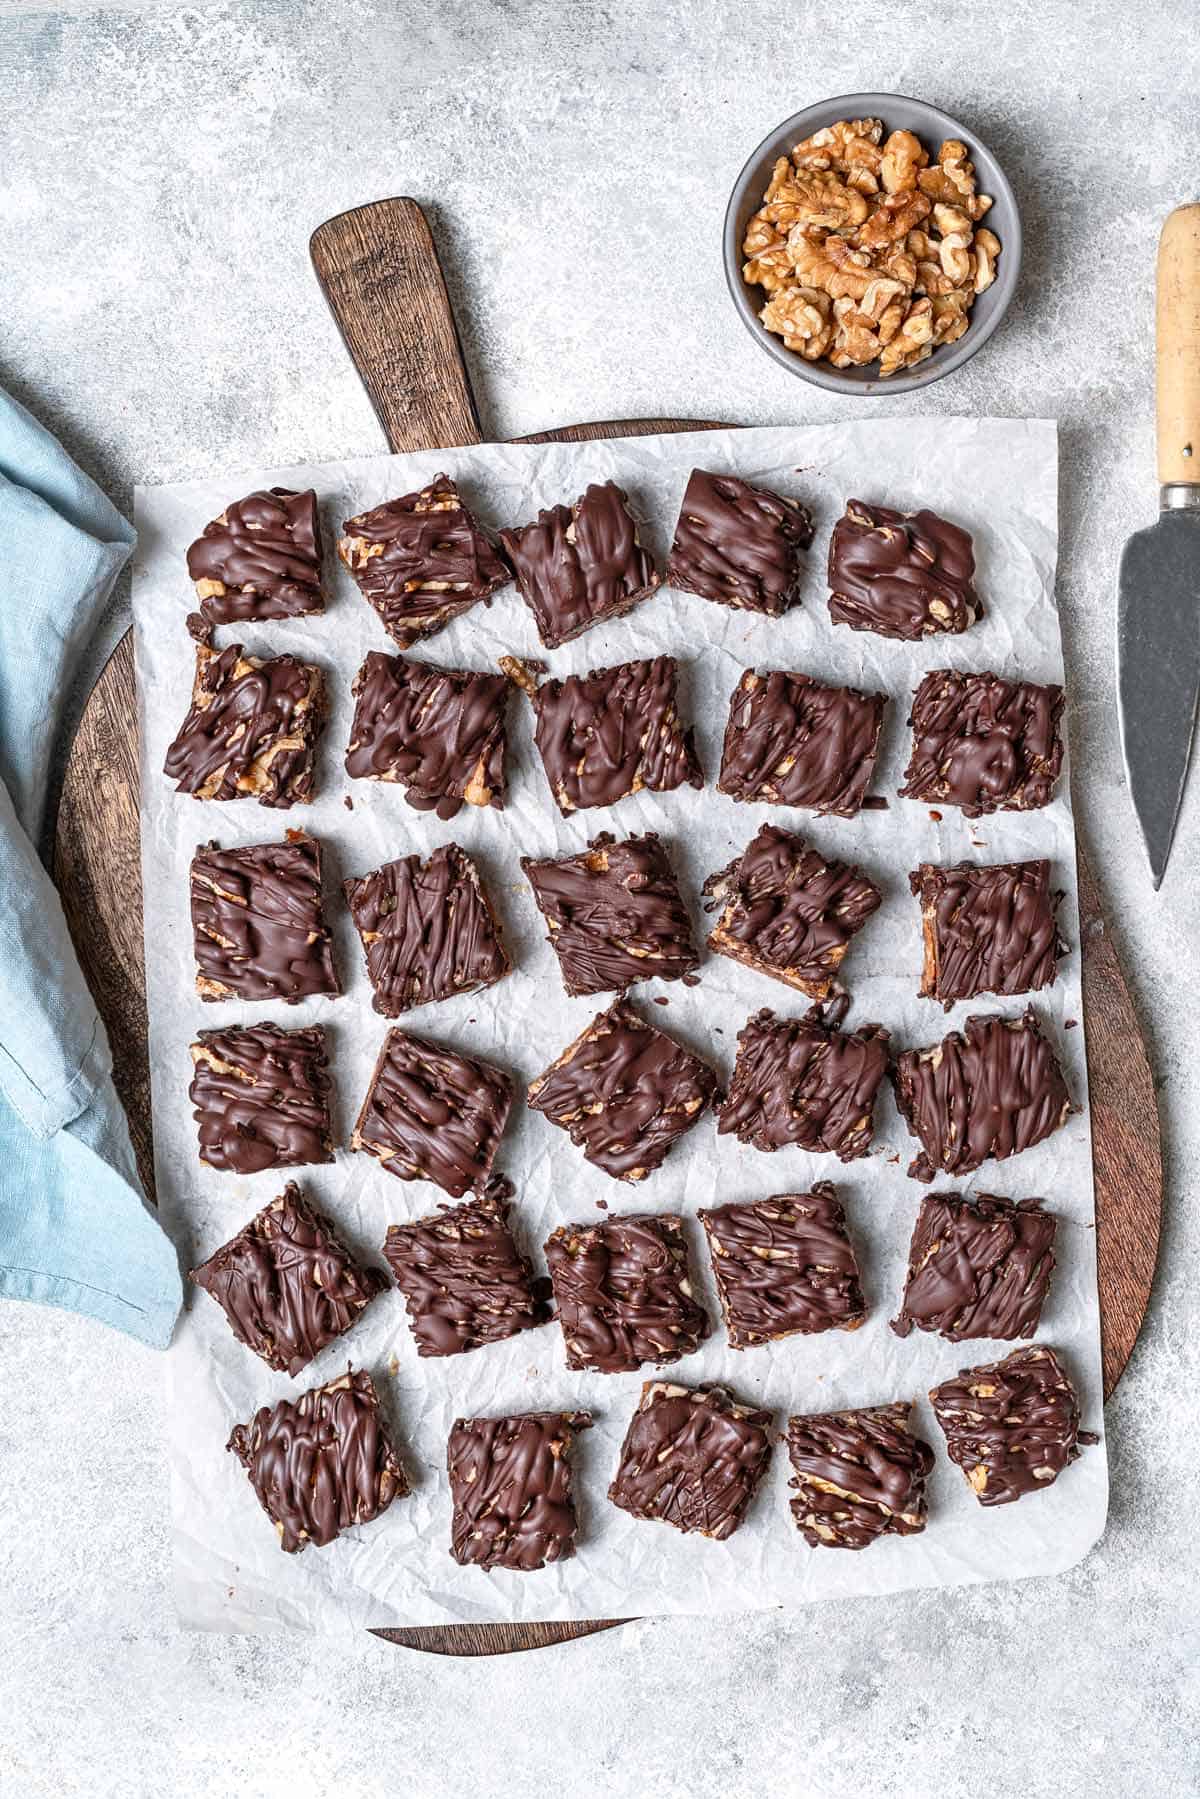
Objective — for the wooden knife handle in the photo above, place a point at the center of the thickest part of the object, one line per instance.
(380, 273)
(1178, 333)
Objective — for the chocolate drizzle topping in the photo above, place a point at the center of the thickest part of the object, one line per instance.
(983, 743)
(577, 565)
(286, 1283)
(260, 559)
(692, 1458)
(321, 1463)
(613, 732)
(858, 1476)
(439, 732)
(433, 1115)
(428, 930)
(738, 544)
(905, 575)
(789, 912)
(614, 914)
(987, 930)
(510, 1480)
(256, 917)
(625, 1092)
(463, 1279)
(624, 1294)
(784, 1266)
(791, 741)
(422, 560)
(251, 729)
(801, 1082)
(261, 1098)
(992, 1090)
(977, 1267)
(1011, 1426)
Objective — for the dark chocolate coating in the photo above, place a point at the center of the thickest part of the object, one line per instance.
(257, 921)
(614, 914)
(510, 1480)
(990, 1091)
(899, 574)
(987, 929)
(577, 565)
(789, 912)
(321, 1463)
(798, 1081)
(692, 1457)
(791, 741)
(1011, 1426)
(286, 1283)
(738, 544)
(439, 732)
(624, 1293)
(260, 559)
(427, 928)
(875, 1465)
(261, 1098)
(612, 732)
(251, 730)
(421, 560)
(784, 1266)
(433, 1115)
(625, 1093)
(983, 743)
(977, 1267)
(464, 1281)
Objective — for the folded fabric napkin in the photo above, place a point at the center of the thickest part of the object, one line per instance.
(75, 1229)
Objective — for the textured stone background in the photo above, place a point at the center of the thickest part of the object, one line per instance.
(160, 171)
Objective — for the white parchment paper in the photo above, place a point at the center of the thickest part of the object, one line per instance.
(996, 477)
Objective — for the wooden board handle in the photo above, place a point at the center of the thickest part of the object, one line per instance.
(1178, 335)
(380, 273)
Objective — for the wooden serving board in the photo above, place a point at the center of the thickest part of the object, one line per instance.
(380, 274)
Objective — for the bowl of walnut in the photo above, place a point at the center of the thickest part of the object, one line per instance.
(872, 244)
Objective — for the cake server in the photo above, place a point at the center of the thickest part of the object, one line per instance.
(1158, 602)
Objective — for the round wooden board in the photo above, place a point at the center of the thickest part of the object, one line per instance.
(379, 271)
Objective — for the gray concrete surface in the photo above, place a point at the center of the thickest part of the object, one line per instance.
(160, 171)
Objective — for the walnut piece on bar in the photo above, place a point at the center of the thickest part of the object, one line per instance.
(867, 250)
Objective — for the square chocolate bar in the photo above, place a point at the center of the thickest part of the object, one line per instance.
(624, 1092)
(613, 732)
(789, 912)
(260, 559)
(614, 914)
(977, 1267)
(785, 1266)
(624, 1292)
(988, 1092)
(987, 929)
(257, 921)
(740, 545)
(251, 730)
(692, 1457)
(1011, 1426)
(422, 560)
(428, 930)
(510, 1480)
(858, 1476)
(439, 732)
(800, 1082)
(791, 741)
(287, 1284)
(984, 744)
(464, 1281)
(579, 564)
(901, 574)
(261, 1098)
(433, 1115)
(321, 1463)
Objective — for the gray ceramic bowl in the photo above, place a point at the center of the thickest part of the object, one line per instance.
(931, 126)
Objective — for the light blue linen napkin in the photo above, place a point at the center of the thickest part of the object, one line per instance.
(75, 1229)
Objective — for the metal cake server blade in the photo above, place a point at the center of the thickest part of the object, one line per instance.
(1158, 597)
(1158, 671)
